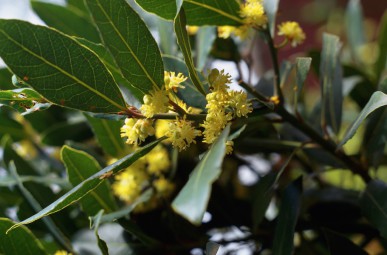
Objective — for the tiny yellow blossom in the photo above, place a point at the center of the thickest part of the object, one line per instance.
(226, 31)
(155, 102)
(163, 187)
(162, 127)
(62, 252)
(129, 183)
(275, 99)
(137, 130)
(158, 160)
(292, 32)
(229, 147)
(238, 101)
(214, 124)
(181, 133)
(253, 13)
(219, 80)
(192, 30)
(172, 81)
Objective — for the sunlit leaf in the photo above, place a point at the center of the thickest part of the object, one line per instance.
(192, 200)
(129, 40)
(58, 67)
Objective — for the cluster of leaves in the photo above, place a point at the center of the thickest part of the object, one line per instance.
(79, 78)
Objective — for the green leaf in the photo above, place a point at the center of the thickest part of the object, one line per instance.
(381, 63)
(192, 200)
(339, 244)
(355, 27)
(128, 39)
(20, 241)
(374, 205)
(88, 185)
(183, 41)
(59, 133)
(271, 8)
(331, 82)
(199, 12)
(80, 166)
(69, 20)
(109, 62)
(302, 69)
(287, 219)
(179, 4)
(58, 67)
(108, 135)
(377, 100)
(11, 127)
(22, 100)
(204, 40)
(168, 44)
(96, 221)
(5, 79)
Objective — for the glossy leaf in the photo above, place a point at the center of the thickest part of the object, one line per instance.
(109, 62)
(271, 8)
(5, 79)
(107, 133)
(128, 39)
(331, 82)
(287, 219)
(355, 26)
(88, 185)
(183, 41)
(20, 241)
(377, 100)
(199, 12)
(69, 20)
(80, 166)
(22, 100)
(302, 69)
(179, 4)
(96, 220)
(374, 205)
(167, 44)
(204, 40)
(192, 200)
(58, 67)
(381, 63)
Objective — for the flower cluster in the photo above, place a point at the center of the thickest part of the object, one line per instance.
(292, 32)
(149, 171)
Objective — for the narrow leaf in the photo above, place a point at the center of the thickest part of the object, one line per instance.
(377, 100)
(287, 219)
(58, 67)
(271, 8)
(374, 205)
(20, 241)
(69, 20)
(192, 200)
(179, 3)
(80, 166)
(355, 26)
(21, 99)
(183, 41)
(107, 133)
(199, 12)
(11, 127)
(88, 185)
(302, 68)
(96, 220)
(127, 37)
(331, 82)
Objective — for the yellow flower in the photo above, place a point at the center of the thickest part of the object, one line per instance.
(181, 133)
(158, 160)
(156, 102)
(218, 80)
(229, 147)
(238, 101)
(292, 32)
(163, 187)
(192, 30)
(129, 183)
(253, 13)
(162, 127)
(137, 130)
(226, 31)
(214, 124)
(62, 252)
(172, 81)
